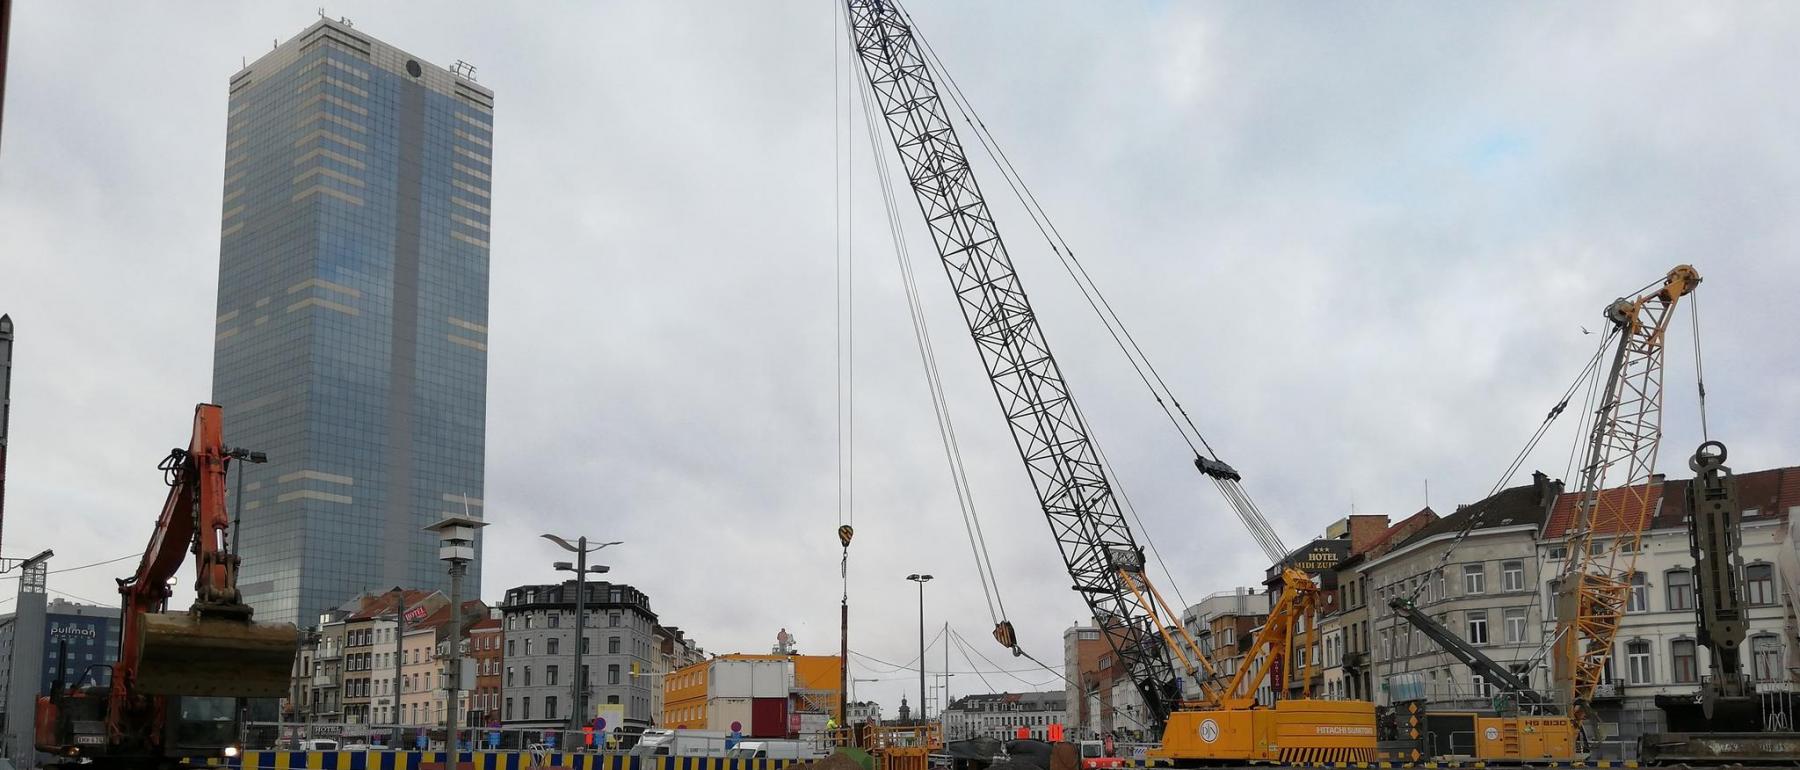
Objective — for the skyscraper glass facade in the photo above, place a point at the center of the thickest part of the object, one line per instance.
(351, 339)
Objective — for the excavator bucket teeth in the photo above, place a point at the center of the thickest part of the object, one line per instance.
(184, 654)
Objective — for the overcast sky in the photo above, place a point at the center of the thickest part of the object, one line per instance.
(1360, 241)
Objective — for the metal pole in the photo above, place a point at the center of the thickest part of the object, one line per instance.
(455, 672)
(6, 340)
(237, 510)
(843, 715)
(576, 685)
(921, 650)
(399, 660)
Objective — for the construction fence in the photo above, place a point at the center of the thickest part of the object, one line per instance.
(482, 760)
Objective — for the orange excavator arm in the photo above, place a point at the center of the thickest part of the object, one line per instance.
(213, 648)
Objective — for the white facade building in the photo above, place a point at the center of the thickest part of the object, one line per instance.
(1656, 651)
(1002, 715)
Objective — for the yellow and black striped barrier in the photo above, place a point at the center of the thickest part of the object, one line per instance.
(482, 760)
(1596, 764)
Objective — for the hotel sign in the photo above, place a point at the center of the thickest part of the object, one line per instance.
(1319, 557)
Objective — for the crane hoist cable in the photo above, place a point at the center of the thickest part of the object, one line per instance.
(1228, 480)
(946, 426)
(1480, 513)
(1699, 370)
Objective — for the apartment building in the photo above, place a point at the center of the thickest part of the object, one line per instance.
(486, 639)
(1345, 629)
(617, 647)
(1656, 651)
(1002, 715)
(674, 651)
(1223, 625)
(1482, 586)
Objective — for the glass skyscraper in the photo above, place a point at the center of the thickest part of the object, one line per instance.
(351, 343)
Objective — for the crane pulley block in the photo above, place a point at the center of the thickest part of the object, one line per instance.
(1217, 469)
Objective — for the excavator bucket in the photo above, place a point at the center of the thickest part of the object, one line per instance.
(186, 654)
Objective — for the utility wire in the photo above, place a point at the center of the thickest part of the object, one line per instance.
(954, 634)
(909, 666)
(965, 653)
(82, 567)
(79, 598)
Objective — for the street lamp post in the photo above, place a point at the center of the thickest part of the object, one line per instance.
(456, 545)
(237, 506)
(577, 682)
(921, 580)
(399, 663)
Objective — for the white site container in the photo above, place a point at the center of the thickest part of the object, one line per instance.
(730, 679)
(771, 678)
(721, 712)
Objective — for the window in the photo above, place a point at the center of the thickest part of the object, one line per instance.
(1478, 631)
(555, 621)
(549, 678)
(1686, 672)
(512, 647)
(1512, 576)
(1558, 552)
(550, 702)
(1515, 625)
(612, 645)
(612, 619)
(528, 680)
(1480, 686)
(1639, 600)
(1765, 658)
(612, 674)
(551, 645)
(1474, 578)
(1681, 591)
(525, 707)
(1759, 583)
(1637, 661)
(1521, 670)
(528, 647)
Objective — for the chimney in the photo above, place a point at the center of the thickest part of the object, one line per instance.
(1546, 489)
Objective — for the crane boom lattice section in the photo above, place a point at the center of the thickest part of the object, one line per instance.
(1051, 436)
(1610, 522)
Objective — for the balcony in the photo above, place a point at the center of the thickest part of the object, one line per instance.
(1356, 661)
(1609, 689)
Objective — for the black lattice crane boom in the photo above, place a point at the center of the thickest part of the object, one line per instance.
(1047, 427)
